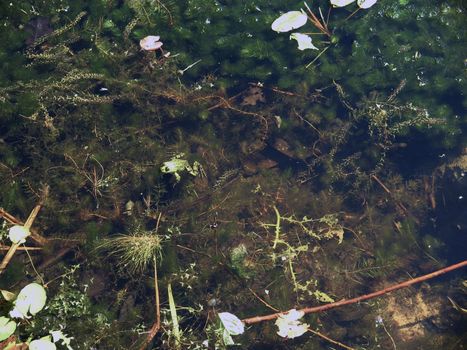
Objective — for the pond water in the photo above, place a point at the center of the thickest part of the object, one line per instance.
(229, 171)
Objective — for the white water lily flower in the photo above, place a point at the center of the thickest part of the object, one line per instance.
(18, 233)
(232, 323)
(289, 326)
(303, 40)
(341, 3)
(365, 4)
(289, 21)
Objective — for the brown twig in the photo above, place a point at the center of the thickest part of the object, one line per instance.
(343, 302)
(9, 255)
(322, 27)
(401, 206)
(13, 220)
(5, 247)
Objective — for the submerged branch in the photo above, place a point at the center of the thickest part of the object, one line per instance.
(343, 302)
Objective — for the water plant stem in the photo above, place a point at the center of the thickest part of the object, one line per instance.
(314, 59)
(308, 310)
(157, 323)
(277, 227)
(329, 339)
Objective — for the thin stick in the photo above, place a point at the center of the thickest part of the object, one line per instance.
(12, 220)
(323, 51)
(157, 324)
(8, 256)
(353, 13)
(32, 216)
(15, 246)
(343, 302)
(329, 339)
(396, 201)
(34, 268)
(5, 247)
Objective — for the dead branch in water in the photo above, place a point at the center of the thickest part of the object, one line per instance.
(343, 302)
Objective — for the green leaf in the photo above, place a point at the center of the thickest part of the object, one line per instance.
(323, 297)
(341, 3)
(365, 4)
(173, 315)
(42, 344)
(18, 234)
(232, 323)
(31, 299)
(289, 324)
(8, 296)
(7, 327)
(303, 40)
(289, 21)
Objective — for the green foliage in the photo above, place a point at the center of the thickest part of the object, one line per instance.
(133, 252)
(240, 261)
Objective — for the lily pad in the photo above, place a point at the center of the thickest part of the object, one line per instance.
(42, 344)
(290, 326)
(341, 3)
(31, 299)
(303, 40)
(18, 234)
(8, 296)
(232, 324)
(7, 327)
(365, 4)
(289, 21)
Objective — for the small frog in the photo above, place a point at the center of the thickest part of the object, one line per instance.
(177, 165)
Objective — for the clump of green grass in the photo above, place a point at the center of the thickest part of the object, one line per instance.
(135, 251)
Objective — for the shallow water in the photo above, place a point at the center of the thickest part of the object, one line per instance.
(258, 176)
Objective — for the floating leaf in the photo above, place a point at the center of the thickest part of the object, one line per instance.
(303, 40)
(59, 335)
(365, 4)
(7, 327)
(42, 344)
(341, 3)
(289, 326)
(18, 234)
(232, 323)
(150, 43)
(289, 21)
(8, 296)
(31, 299)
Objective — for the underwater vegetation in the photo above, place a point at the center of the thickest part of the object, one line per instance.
(168, 168)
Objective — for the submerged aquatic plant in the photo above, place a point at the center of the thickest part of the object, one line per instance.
(135, 251)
